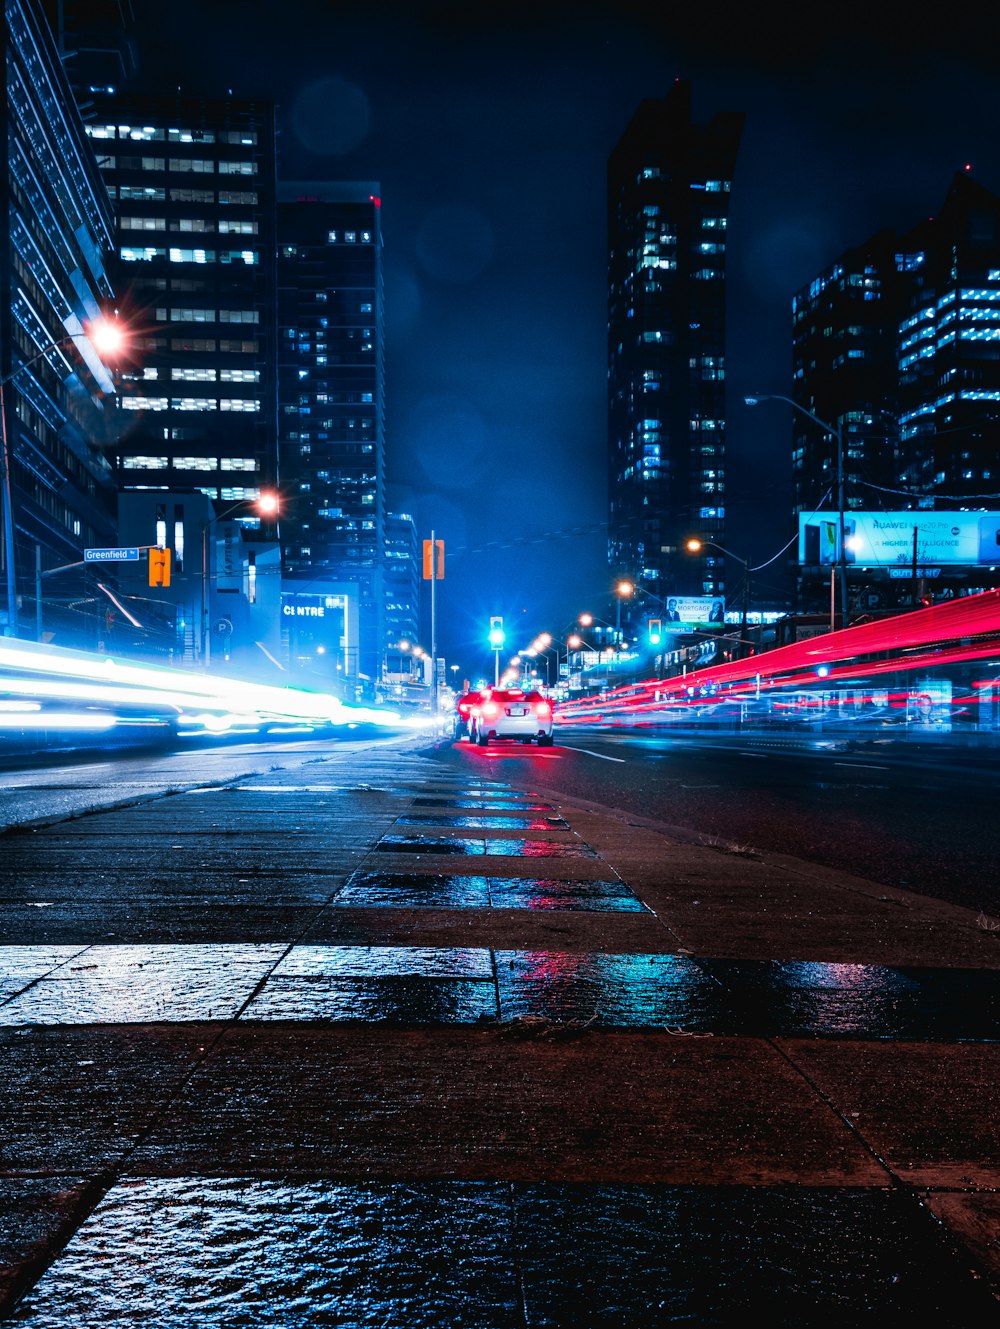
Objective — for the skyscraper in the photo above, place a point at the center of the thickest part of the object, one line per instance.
(402, 582)
(193, 180)
(194, 185)
(896, 345)
(669, 184)
(331, 385)
(56, 239)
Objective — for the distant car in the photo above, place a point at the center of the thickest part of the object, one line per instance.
(501, 713)
(463, 714)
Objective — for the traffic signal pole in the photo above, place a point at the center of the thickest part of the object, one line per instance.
(434, 663)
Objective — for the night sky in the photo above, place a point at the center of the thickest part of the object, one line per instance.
(488, 128)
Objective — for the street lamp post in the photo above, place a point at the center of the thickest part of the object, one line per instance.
(623, 590)
(836, 432)
(108, 338)
(693, 545)
(267, 505)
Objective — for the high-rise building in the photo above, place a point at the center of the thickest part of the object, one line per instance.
(896, 350)
(193, 181)
(949, 350)
(844, 329)
(402, 583)
(669, 184)
(331, 386)
(194, 185)
(56, 237)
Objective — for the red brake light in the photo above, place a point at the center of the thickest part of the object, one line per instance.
(491, 708)
(543, 709)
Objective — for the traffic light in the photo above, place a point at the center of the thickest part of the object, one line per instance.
(433, 560)
(655, 631)
(496, 634)
(159, 567)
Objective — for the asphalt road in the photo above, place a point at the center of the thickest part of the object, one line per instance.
(924, 818)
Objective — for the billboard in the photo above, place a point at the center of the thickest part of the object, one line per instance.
(681, 613)
(885, 539)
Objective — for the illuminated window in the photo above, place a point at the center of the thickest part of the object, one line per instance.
(193, 375)
(128, 403)
(141, 194)
(191, 165)
(194, 404)
(191, 135)
(192, 256)
(144, 463)
(239, 404)
(237, 168)
(195, 464)
(131, 254)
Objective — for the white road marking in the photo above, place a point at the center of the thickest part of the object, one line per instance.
(861, 766)
(588, 753)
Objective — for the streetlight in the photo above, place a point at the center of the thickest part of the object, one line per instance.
(267, 505)
(623, 591)
(107, 337)
(837, 433)
(694, 545)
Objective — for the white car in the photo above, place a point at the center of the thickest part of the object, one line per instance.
(512, 713)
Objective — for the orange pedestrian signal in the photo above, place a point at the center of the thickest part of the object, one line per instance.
(159, 567)
(433, 560)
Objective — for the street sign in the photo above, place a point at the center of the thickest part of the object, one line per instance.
(111, 555)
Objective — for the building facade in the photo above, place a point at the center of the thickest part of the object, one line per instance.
(193, 181)
(402, 586)
(896, 349)
(669, 183)
(331, 386)
(56, 240)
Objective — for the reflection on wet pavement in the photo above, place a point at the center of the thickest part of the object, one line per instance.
(402, 984)
(608, 989)
(21, 965)
(241, 1253)
(504, 823)
(493, 801)
(599, 896)
(143, 984)
(371, 890)
(398, 890)
(429, 844)
(135, 984)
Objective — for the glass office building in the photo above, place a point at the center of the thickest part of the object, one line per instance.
(331, 386)
(669, 183)
(896, 345)
(56, 238)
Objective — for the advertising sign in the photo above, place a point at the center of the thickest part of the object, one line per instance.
(886, 539)
(681, 613)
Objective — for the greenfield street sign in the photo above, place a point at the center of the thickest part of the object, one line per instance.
(111, 555)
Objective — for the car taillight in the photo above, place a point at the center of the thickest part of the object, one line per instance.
(491, 709)
(543, 709)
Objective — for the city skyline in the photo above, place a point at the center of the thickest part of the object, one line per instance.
(491, 142)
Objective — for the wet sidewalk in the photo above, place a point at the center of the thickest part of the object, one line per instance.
(367, 1040)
